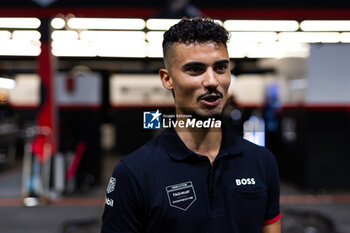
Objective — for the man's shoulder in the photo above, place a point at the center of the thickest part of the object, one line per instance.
(146, 154)
(257, 158)
(253, 150)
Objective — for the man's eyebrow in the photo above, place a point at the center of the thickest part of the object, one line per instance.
(197, 63)
(222, 62)
(193, 63)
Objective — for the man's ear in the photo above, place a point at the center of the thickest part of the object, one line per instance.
(166, 79)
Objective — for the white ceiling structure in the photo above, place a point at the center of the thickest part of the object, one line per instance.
(138, 38)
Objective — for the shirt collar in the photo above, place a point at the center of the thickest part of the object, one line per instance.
(174, 145)
(229, 143)
(178, 150)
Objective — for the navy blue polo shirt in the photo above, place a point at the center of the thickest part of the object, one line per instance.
(164, 187)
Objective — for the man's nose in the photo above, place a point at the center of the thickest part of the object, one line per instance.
(210, 79)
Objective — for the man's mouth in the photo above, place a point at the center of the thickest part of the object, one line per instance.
(210, 100)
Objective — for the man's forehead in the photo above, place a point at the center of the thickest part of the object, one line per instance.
(198, 49)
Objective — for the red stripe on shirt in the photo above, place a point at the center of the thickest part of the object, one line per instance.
(273, 220)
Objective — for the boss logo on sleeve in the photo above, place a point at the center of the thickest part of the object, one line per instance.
(182, 195)
(245, 181)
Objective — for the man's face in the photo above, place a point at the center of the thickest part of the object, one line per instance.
(199, 76)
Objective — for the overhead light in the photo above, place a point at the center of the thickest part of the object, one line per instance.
(5, 35)
(29, 35)
(117, 43)
(58, 23)
(310, 37)
(108, 50)
(106, 23)
(267, 50)
(278, 50)
(345, 37)
(154, 45)
(114, 36)
(293, 49)
(155, 36)
(236, 50)
(325, 25)
(127, 45)
(22, 43)
(253, 37)
(261, 25)
(24, 22)
(64, 35)
(165, 24)
(7, 83)
(74, 48)
(20, 48)
(161, 24)
(101, 43)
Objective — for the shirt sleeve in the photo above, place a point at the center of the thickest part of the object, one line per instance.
(272, 213)
(123, 211)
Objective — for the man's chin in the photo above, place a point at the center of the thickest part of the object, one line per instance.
(205, 115)
(216, 116)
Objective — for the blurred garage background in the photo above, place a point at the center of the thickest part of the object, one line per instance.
(76, 76)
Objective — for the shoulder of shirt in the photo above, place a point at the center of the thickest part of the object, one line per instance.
(253, 150)
(144, 156)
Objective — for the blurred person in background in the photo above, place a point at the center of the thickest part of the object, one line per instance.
(176, 9)
(195, 179)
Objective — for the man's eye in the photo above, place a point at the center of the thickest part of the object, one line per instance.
(195, 69)
(221, 68)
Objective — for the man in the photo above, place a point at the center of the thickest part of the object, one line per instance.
(195, 179)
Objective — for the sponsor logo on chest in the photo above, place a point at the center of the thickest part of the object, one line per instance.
(245, 181)
(181, 196)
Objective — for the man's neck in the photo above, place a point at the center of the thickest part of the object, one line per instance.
(204, 142)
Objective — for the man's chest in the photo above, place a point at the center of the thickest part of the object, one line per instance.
(198, 192)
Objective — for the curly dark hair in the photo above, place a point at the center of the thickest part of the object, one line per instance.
(193, 30)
